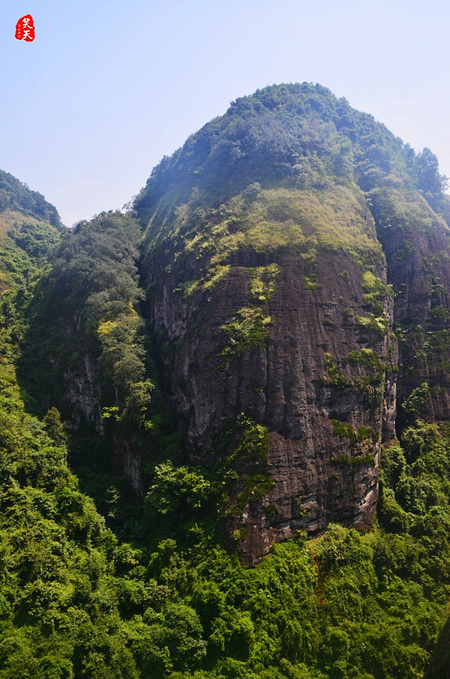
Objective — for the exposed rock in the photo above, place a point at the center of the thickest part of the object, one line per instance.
(82, 394)
(417, 245)
(317, 366)
(272, 299)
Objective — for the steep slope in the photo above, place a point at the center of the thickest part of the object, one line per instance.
(285, 290)
(295, 267)
(281, 333)
(29, 230)
(92, 362)
(273, 301)
(416, 242)
(29, 227)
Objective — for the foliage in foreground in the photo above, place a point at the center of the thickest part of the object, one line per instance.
(76, 603)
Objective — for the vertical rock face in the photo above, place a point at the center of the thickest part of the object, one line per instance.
(278, 259)
(92, 362)
(78, 380)
(417, 245)
(294, 336)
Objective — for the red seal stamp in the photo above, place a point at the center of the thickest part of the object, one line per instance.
(25, 28)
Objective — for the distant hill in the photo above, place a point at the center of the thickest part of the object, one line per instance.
(29, 228)
(16, 196)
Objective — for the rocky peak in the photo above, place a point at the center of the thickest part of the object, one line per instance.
(273, 251)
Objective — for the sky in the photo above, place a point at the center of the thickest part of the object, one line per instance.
(109, 87)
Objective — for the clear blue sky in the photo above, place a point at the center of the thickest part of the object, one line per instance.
(108, 87)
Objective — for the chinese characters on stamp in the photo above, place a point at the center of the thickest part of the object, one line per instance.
(25, 28)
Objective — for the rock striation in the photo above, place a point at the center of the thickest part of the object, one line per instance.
(287, 337)
(288, 246)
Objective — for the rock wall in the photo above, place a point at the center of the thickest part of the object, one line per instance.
(416, 242)
(319, 376)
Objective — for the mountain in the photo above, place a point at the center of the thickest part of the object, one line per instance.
(29, 226)
(297, 255)
(248, 368)
(29, 229)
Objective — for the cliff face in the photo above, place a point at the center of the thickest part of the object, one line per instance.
(275, 305)
(78, 394)
(292, 330)
(416, 243)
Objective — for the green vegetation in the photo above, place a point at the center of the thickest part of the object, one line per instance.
(297, 135)
(75, 602)
(309, 608)
(335, 376)
(91, 301)
(140, 585)
(59, 597)
(406, 251)
(440, 313)
(266, 221)
(361, 444)
(371, 374)
(374, 296)
(406, 211)
(250, 328)
(376, 324)
(17, 197)
(310, 283)
(240, 475)
(25, 244)
(374, 291)
(346, 431)
(369, 360)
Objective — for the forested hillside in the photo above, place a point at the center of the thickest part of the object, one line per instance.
(224, 436)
